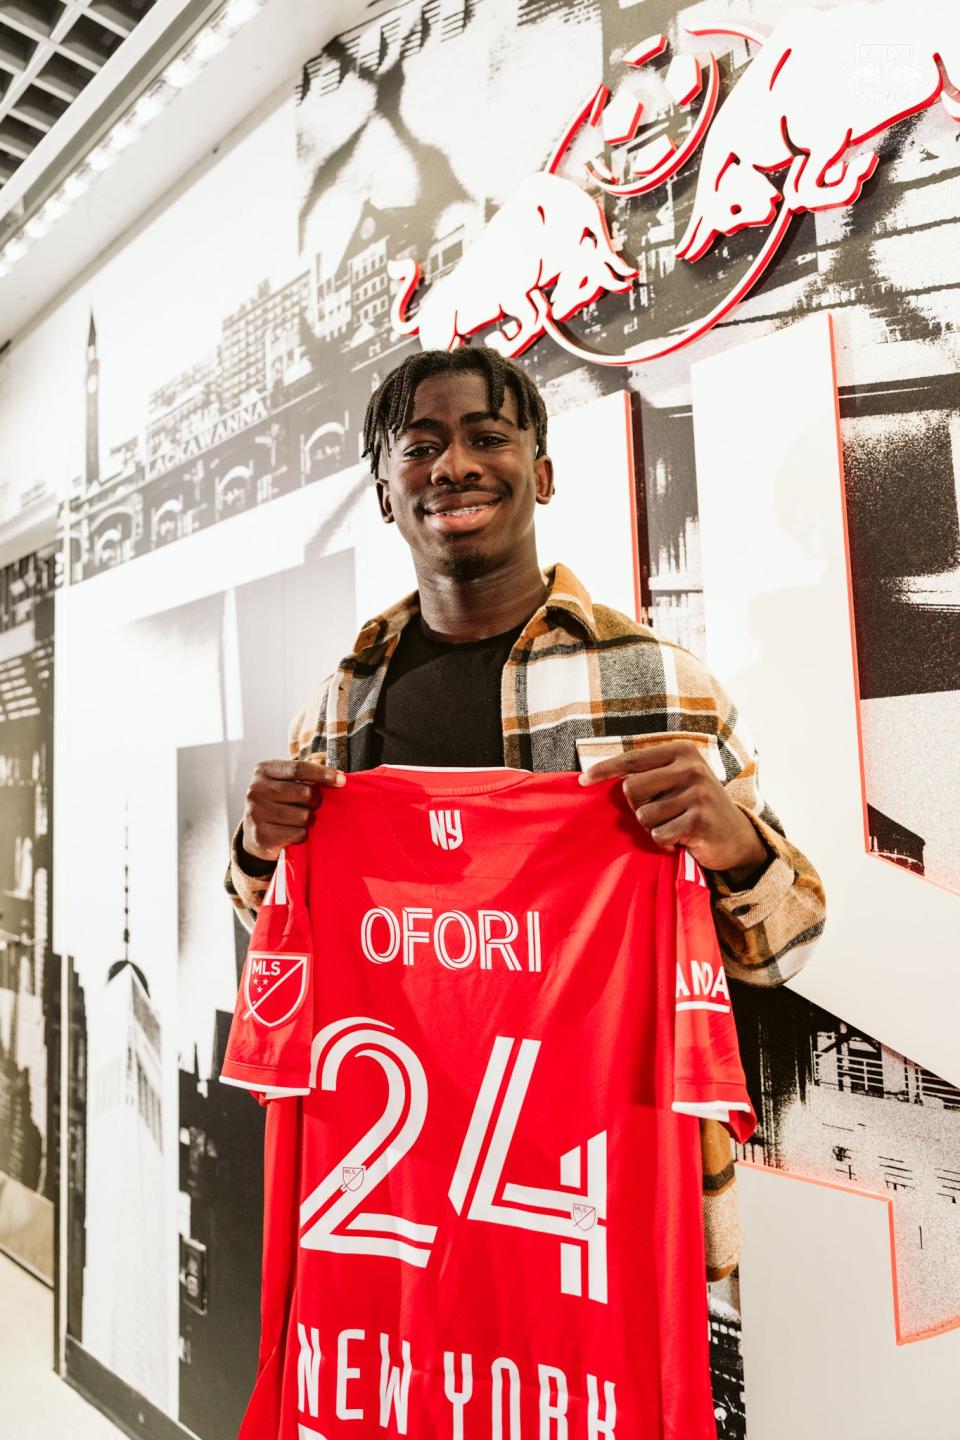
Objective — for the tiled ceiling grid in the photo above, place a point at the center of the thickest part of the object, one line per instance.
(48, 52)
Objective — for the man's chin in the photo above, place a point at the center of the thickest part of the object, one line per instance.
(466, 564)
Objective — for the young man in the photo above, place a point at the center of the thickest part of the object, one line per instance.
(494, 662)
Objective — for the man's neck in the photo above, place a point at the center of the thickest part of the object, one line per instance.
(490, 604)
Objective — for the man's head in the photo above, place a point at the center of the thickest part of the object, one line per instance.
(457, 445)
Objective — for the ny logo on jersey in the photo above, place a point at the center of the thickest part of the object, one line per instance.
(445, 829)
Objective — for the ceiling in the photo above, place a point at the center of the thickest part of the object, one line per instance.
(259, 66)
(49, 53)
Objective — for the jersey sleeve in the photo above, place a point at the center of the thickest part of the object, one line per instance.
(268, 1049)
(708, 1078)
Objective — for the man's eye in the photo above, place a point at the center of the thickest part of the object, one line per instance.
(416, 452)
(491, 439)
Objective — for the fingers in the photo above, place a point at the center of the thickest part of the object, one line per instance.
(286, 792)
(308, 772)
(280, 803)
(672, 820)
(681, 830)
(267, 840)
(656, 756)
(269, 812)
(653, 814)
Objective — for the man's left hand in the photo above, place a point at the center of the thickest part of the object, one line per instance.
(677, 798)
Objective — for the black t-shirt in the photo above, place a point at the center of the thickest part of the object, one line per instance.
(440, 702)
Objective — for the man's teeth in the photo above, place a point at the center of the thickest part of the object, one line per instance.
(466, 509)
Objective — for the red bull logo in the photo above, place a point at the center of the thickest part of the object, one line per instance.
(794, 135)
(549, 238)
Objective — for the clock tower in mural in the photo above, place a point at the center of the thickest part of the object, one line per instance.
(92, 474)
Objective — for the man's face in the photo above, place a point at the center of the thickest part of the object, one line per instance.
(460, 482)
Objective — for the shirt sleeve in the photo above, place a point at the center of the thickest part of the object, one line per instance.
(708, 1078)
(268, 1049)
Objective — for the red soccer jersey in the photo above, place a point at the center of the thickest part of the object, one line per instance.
(485, 1011)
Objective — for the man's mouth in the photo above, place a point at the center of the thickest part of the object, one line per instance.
(462, 511)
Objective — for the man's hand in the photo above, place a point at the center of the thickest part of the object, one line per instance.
(678, 799)
(281, 800)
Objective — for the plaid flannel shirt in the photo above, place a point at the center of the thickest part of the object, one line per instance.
(581, 683)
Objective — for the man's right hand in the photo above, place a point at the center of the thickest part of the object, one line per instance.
(281, 800)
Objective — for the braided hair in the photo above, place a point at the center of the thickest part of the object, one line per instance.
(390, 405)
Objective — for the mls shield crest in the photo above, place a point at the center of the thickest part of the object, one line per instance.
(353, 1177)
(274, 986)
(583, 1216)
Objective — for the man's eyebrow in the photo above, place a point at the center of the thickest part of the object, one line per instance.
(426, 422)
(476, 415)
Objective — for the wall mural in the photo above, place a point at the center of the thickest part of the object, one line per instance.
(412, 166)
(164, 1258)
(28, 986)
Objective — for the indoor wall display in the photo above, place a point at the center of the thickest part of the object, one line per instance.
(28, 985)
(637, 220)
(165, 1291)
(223, 548)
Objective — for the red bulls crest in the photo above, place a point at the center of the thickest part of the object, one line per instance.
(798, 133)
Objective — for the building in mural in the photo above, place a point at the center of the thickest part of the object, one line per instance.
(91, 472)
(26, 722)
(256, 337)
(219, 437)
(837, 1104)
(221, 1220)
(124, 1305)
(894, 842)
(76, 1156)
(727, 1365)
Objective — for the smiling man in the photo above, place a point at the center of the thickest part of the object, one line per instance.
(494, 661)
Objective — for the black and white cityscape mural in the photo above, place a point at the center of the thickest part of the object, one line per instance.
(218, 559)
(27, 981)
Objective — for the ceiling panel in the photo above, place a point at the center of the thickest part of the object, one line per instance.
(49, 52)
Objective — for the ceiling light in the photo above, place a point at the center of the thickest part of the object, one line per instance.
(101, 159)
(211, 42)
(123, 135)
(182, 71)
(76, 184)
(238, 12)
(149, 106)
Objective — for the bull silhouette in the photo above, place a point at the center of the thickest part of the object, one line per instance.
(804, 103)
(546, 253)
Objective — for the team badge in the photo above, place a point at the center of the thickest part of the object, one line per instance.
(274, 986)
(446, 829)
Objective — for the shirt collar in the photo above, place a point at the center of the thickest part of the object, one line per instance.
(570, 596)
(566, 595)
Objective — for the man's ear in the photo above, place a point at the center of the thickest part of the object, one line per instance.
(383, 500)
(543, 469)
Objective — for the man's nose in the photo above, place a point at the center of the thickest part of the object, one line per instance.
(455, 464)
